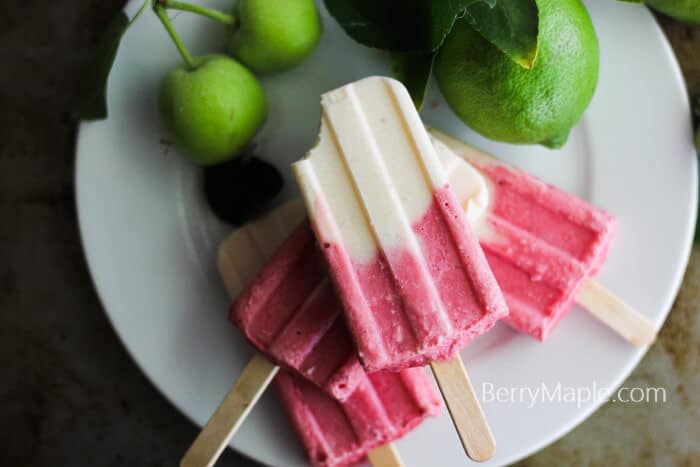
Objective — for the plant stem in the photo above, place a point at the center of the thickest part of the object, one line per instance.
(210, 13)
(138, 13)
(163, 16)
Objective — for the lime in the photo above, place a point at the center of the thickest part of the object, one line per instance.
(504, 101)
(684, 10)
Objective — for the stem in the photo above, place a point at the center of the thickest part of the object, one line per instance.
(163, 16)
(138, 13)
(210, 13)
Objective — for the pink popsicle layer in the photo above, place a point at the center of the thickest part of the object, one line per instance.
(406, 311)
(291, 314)
(383, 408)
(542, 243)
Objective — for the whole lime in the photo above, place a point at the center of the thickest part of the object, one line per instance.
(273, 35)
(213, 110)
(506, 102)
(684, 10)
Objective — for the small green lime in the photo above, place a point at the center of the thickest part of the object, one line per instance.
(273, 35)
(506, 102)
(684, 10)
(213, 110)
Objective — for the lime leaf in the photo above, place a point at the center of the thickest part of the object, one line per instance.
(413, 70)
(510, 25)
(407, 26)
(91, 103)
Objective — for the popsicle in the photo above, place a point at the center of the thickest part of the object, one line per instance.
(543, 245)
(383, 408)
(290, 313)
(414, 283)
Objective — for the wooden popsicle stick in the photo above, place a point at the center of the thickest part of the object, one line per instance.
(385, 456)
(239, 257)
(229, 416)
(465, 409)
(616, 314)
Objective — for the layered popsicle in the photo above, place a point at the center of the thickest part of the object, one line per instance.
(414, 283)
(384, 407)
(542, 243)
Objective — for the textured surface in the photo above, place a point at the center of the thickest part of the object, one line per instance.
(70, 394)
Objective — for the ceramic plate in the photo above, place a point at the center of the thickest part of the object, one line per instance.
(150, 240)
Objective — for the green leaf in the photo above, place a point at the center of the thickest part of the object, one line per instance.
(413, 70)
(510, 25)
(399, 26)
(91, 103)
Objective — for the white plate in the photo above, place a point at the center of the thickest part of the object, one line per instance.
(150, 240)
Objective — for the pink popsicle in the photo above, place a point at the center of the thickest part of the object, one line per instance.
(291, 314)
(541, 242)
(383, 408)
(547, 243)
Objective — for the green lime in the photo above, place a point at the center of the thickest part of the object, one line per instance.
(213, 110)
(506, 102)
(273, 35)
(684, 10)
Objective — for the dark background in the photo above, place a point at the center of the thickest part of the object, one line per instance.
(69, 393)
